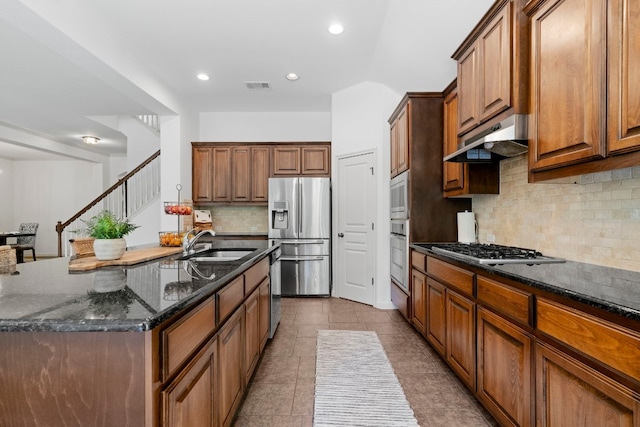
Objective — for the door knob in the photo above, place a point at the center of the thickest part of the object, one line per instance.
(340, 234)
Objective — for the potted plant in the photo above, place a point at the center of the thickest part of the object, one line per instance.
(108, 232)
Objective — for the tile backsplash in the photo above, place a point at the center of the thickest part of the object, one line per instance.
(594, 219)
(239, 219)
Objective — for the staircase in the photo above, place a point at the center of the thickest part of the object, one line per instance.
(131, 193)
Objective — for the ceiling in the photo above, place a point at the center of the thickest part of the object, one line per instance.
(68, 64)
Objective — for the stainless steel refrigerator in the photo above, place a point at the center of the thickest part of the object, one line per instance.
(300, 220)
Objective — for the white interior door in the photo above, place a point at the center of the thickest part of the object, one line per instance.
(356, 210)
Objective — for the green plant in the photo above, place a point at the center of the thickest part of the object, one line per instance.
(106, 225)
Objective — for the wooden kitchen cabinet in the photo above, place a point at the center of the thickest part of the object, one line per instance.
(252, 334)
(231, 344)
(464, 179)
(436, 316)
(418, 300)
(570, 393)
(190, 398)
(230, 173)
(585, 107)
(460, 332)
(265, 312)
(400, 141)
(492, 66)
(301, 160)
(504, 369)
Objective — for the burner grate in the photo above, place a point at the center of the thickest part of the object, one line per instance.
(495, 254)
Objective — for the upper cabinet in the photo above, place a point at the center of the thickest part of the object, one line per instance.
(302, 160)
(492, 67)
(230, 173)
(400, 140)
(464, 179)
(585, 81)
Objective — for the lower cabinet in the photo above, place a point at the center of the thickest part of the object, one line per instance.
(231, 367)
(504, 369)
(265, 312)
(190, 399)
(570, 393)
(436, 317)
(461, 348)
(252, 333)
(418, 300)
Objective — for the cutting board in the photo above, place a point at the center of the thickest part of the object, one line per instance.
(129, 258)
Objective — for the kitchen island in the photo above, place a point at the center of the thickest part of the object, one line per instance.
(165, 342)
(548, 344)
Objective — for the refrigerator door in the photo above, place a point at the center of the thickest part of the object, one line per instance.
(315, 208)
(302, 247)
(284, 218)
(305, 275)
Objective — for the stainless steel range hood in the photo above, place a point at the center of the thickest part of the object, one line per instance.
(507, 138)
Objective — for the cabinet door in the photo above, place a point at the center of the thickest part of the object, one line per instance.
(241, 174)
(453, 172)
(569, 393)
(504, 369)
(418, 300)
(222, 174)
(495, 65)
(286, 160)
(436, 318)
(402, 155)
(568, 83)
(460, 347)
(202, 169)
(259, 174)
(468, 81)
(231, 373)
(315, 160)
(189, 399)
(394, 148)
(252, 334)
(624, 76)
(265, 312)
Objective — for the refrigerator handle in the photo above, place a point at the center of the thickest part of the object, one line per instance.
(301, 242)
(300, 204)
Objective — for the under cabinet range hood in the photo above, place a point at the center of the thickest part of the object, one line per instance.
(507, 138)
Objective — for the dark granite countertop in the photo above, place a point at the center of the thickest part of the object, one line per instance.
(614, 290)
(44, 296)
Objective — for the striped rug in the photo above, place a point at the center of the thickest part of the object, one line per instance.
(355, 383)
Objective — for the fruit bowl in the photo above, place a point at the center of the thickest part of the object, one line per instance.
(178, 208)
(171, 238)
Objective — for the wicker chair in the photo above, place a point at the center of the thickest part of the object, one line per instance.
(26, 243)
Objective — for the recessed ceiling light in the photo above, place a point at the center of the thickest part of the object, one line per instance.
(91, 139)
(292, 76)
(203, 77)
(336, 29)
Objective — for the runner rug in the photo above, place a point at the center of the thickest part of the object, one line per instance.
(355, 383)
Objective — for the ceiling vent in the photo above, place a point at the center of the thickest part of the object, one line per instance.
(258, 85)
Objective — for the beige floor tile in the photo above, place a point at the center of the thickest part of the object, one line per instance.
(311, 318)
(349, 326)
(268, 421)
(343, 317)
(373, 316)
(278, 369)
(303, 399)
(305, 346)
(311, 331)
(268, 399)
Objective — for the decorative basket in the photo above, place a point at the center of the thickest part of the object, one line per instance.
(178, 208)
(7, 260)
(82, 247)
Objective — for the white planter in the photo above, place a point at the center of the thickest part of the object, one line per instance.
(109, 249)
(109, 280)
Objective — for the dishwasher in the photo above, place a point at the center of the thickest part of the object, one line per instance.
(276, 290)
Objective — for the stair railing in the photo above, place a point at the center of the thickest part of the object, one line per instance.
(129, 194)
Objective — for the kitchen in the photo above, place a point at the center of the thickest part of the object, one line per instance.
(598, 209)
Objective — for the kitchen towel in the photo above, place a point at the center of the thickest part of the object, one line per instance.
(467, 227)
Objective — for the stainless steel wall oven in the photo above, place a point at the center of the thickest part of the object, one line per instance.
(400, 253)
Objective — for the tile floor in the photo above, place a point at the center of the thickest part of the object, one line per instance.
(282, 389)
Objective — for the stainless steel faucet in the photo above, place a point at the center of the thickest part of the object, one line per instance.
(188, 244)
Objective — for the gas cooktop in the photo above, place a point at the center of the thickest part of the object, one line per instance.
(494, 254)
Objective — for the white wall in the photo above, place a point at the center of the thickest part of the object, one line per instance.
(265, 127)
(359, 123)
(6, 195)
(50, 191)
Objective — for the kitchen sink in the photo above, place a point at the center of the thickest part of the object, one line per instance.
(220, 255)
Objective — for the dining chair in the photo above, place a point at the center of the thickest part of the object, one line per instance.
(26, 243)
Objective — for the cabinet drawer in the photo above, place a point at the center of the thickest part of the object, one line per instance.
(611, 344)
(183, 337)
(255, 275)
(450, 274)
(507, 300)
(230, 297)
(418, 260)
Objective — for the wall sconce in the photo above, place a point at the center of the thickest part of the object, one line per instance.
(91, 139)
